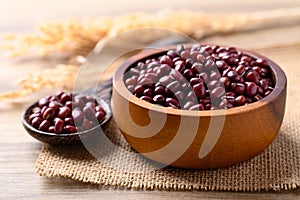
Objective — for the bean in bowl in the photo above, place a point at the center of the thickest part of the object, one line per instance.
(200, 77)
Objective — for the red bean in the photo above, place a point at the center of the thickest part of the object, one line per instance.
(51, 129)
(159, 90)
(260, 91)
(179, 95)
(139, 90)
(232, 94)
(267, 92)
(185, 54)
(225, 105)
(92, 105)
(148, 92)
(179, 66)
(264, 72)
(100, 116)
(59, 94)
(49, 113)
(264, 84)
(206, 100)
(65, 97)
(79, 102)
(44, 125)
(240, 100)
(43, 102)
(197, 107)
(146, 82)
(36, 110)
(77, 116)
(208, 106)
(197, 68)
(36, 122)
(237, 88)
(146, 98)
(69, 121)
(225, 81)
(251, 89)
(200, 58)
(188, 73)
(131, 81)
(54, 105)
(172, 54)
(188, 105)
(221, 65)
(173, 86)
(252, 77)
(191, 75)
(240, 69)
(214, 76)
(218, 92)
(257, 69)
(152, 65)
(89, 113)
(59, 126)
(213, 84)
(70, 129)
(176, 75)
(86, 125)
(159, 99)
(165, 80)
(99, 108)
(70, 104)
(57, 117)
(64, 112)
(204, 77)
(195, 81)
(261, 62)
(233, 76)
(199, 90)
(194, 55)
(33, 115)
(172, 102)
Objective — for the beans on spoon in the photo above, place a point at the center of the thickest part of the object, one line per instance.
(66, 113)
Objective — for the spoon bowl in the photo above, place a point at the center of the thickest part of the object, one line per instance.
(67, 138)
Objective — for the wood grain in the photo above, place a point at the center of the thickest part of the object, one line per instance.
(18, 151)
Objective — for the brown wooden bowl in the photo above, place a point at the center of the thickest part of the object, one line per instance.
(198, 139)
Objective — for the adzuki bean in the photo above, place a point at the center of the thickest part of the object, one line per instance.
(200, 77)
(66, 113)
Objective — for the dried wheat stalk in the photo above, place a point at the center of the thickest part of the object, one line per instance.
(61, 76)
(76, 37)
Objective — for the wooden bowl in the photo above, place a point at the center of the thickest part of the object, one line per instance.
(198, 139)
(65, 139)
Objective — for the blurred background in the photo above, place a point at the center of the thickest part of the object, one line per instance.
(19, 15)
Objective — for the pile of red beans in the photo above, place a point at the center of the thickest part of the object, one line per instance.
(200, 77)
(66, 113)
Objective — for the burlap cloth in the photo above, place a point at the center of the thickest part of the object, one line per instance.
(277, 168)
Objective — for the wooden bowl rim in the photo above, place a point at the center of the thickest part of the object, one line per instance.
(119, 85)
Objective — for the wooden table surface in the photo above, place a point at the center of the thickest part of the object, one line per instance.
(18, 151)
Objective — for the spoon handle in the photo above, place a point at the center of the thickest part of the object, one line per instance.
(102, 90)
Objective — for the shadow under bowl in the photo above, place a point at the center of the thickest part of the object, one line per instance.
(198, 139)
